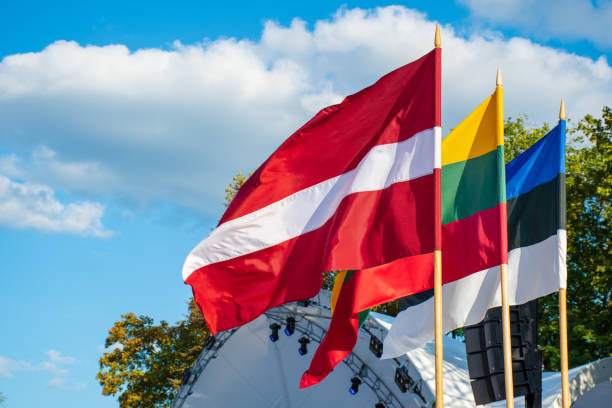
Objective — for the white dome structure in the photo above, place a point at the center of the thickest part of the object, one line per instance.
(243, 367)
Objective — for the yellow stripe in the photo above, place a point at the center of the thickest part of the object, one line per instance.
(478, 133)
(336, 290)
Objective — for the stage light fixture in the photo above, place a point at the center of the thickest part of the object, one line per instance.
(376, 346)
(290, 328)
(274, 327)
(403, 379)
(355, 381)
(303, 345)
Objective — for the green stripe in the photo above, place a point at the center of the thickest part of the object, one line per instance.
(473, 185)
(538, 214)
(364, 313)
(347, 275)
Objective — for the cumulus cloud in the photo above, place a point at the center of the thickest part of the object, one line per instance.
(56, 382)
(55, 365)
(566, 19)
(24, 205)
(64, 384)
(56, 357)
(116, 345)
(9, 366)
(177, 124)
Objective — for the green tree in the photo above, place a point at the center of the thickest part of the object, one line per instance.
(588, 169)
(145, 361)
(234, 186)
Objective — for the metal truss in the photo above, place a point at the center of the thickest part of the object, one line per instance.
(304, 315)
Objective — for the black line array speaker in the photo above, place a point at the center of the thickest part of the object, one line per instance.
(485, 357)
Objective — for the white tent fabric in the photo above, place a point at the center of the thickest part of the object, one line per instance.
(246, 369)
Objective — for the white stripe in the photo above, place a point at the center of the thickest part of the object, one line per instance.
(310, 208)
(438, 147)
(533, 271)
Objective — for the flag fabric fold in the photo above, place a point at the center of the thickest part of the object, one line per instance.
(355, 292)
(352, 189)
(360, 291)
(535, 189)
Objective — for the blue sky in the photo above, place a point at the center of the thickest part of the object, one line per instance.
(121, 123)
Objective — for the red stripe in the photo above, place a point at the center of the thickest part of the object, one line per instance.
(368, 229)
(472, 244)
(395, 108)
(437, 225)
(365, 289)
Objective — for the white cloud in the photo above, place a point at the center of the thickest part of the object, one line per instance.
(116, 345)
(64, 384)
(57, 357)
(9, 366)
(50, 367)
(178, 124)
(56, 382)
(25, 205)
(53, 365)
(566, 19)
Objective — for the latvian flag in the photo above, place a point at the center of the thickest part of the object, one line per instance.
(352, 189)
(535, 189)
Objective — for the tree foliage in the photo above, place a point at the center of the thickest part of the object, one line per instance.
(234, 186)
(144, 361)
(589, 229)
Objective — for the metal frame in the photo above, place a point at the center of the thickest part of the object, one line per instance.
(314, 331)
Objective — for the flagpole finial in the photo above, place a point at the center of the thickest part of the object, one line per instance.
(562, 110)
(437, 40)
(498, 80)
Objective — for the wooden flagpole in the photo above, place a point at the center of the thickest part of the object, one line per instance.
(438, 296)
(565, 395)
(504, 287)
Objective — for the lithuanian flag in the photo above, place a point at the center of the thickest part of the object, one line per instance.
(474, 233)
(474, 226)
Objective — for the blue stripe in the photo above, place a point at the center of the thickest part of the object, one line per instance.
(537, 165)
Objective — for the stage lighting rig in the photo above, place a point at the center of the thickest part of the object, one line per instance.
(303, 345)
(274, 327)
(290, 328)
(355, 381)
(376, 346)
(403, 379)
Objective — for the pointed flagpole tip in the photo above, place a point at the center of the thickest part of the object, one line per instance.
(437, 40)
(498, 80)
(562, 110)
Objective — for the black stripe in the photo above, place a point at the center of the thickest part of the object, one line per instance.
(413, 300)
(537, 214)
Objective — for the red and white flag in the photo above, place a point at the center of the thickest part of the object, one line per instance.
(354, 188)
